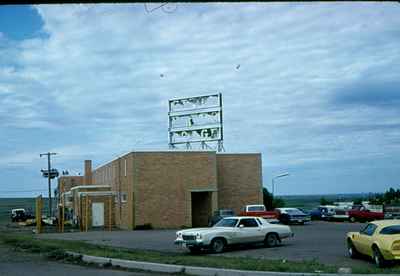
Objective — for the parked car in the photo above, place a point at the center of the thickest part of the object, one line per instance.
(259, 210)
(220, 214)
(391, 211)
(360, 213)
(340, 214)
(233, 230)
(323, 212)
(19, 215)
(292, 215)
(378, 239)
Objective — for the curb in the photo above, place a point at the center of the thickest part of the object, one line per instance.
(194, 270)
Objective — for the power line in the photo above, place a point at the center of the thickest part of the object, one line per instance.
(23, 191)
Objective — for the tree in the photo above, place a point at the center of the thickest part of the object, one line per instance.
(270, 202)
(324, 201)
(268, 199)
(358, 201)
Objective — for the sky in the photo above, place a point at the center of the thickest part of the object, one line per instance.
(316, 92)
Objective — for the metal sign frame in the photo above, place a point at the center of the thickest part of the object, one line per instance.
(190, 110)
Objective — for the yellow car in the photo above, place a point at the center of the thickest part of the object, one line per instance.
(378, 239)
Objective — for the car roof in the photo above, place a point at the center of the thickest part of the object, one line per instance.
(236, 217)
(386, 222)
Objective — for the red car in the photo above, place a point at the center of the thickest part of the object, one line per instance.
(259, 211)
(360, 213)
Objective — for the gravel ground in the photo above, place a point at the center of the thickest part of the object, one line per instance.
(321, 241)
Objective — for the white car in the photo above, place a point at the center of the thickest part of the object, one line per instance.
(233, 230)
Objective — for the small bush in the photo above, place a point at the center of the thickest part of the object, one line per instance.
(146, 226)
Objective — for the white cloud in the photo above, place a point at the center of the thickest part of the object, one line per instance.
(97, 73)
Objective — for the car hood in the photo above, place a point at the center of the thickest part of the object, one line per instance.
(194, 231)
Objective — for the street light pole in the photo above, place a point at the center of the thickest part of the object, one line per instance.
(49, 178)
(273, 181)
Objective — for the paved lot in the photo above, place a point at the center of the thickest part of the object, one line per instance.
(322, 241)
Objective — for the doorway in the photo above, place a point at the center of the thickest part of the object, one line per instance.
(97, 214)
(201, 208)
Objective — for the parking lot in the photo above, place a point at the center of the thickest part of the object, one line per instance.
(321, 241)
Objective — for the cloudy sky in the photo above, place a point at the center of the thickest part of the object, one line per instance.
(317, 90)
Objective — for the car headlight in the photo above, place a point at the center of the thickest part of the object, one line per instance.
(178, 235)
(198, 236)
(396, 246)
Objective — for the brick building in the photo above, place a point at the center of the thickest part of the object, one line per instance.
(172, 189)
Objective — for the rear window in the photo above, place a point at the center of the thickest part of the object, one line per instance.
(391, 230)
(256, 208)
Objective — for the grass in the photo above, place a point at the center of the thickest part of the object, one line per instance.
(56, 249)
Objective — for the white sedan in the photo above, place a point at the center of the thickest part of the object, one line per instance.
(233, 230)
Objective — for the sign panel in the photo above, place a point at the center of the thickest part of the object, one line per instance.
(196, 120)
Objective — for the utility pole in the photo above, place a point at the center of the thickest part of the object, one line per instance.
(49, 177)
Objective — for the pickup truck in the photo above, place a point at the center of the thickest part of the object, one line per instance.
(259, 211)
(360, 213)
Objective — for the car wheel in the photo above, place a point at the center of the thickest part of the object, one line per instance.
(351, 250)
(271, 240)
(218, 245)
(378, 258)
(352, 219)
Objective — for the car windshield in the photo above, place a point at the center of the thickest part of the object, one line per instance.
(391, 230)
(256, 208)
(226, 223)
(294, 212)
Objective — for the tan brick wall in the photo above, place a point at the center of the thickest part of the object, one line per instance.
(65, 183)
(87, 213)
(163, 182)
(159, 185)
(119, 175)
(239, 180)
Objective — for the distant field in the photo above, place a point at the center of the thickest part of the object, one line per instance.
(309, 202)
(6, 204)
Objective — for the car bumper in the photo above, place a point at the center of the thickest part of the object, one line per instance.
(189, 243)
(390, 255)
(299, 220)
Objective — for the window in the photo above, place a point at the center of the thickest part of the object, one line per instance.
(248, 222)
(369, 229)
(226, 223)
(259, 208)
(124, 197)
(390, 230)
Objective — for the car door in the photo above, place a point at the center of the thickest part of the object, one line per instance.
(364, 241)
(249, 231)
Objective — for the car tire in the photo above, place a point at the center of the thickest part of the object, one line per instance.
(218, 245)
(378, 258)
(351, 250)
(352, 219)
(271, 240)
